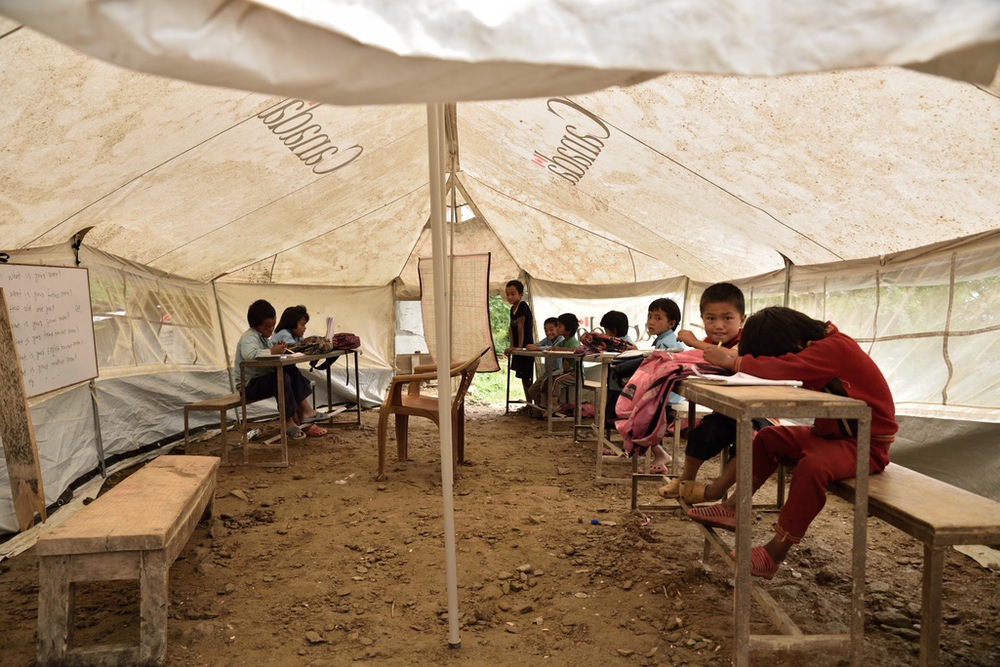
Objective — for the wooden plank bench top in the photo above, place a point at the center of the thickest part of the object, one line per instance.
(939, 515)
(934, 512)
(150, 509)
(134, 531)
(217, 402)
(222, 405)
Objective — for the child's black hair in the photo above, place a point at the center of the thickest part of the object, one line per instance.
(291, 316)
(570, 322)
(777, 330)
(259, 311)
(615, 320)
(724, 293)
(670, 307)
(518, 284)
(550, 320)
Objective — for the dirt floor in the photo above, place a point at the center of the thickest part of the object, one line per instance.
(320, 564)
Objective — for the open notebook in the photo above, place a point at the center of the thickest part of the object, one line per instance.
(744, 379)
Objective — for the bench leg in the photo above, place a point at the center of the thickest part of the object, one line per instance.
(930, 615)
(186, 414)
(55, 610)
(153, 608)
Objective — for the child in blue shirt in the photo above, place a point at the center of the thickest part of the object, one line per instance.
(662, 319)
(292, 325)
(263, 382)
(551, 336)
(539, 392)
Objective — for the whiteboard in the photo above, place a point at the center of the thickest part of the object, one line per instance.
(53, 324)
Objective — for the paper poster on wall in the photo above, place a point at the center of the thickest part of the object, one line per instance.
(52, 323)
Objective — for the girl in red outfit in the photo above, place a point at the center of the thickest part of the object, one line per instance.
(784, 344)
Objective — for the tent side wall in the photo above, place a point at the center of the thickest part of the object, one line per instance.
(160, 344)
(367, 312)
(927, 316)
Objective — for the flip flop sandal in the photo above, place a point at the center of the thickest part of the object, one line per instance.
(318, 417)
(314, 431)
(692, 491)
(670, 490)
(714, 516)
(761, 563)
(295, 433)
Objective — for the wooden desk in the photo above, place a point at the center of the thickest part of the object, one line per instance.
(290, 360)
(605, 359)
(744, 404)
(549, 356)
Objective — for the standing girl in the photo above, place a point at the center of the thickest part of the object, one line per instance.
(522, 334)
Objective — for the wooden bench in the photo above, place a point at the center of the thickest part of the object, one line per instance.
(134, 531)
(220, 404)
(937, 514)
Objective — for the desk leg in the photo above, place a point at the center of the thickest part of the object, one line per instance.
(577, 397)
(243, 422)
(860, 542)
(549, 412)
(280, 379)
(744, 499)
(329, 386)
(507, 409)
(599, 416)
(357, 386)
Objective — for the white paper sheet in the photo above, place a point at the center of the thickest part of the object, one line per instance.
(746, 379)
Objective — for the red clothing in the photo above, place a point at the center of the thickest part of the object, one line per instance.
(826, 451)
(817, 460)
(836, 364)
(730, 345)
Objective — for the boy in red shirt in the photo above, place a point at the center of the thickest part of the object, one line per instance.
(784, 344)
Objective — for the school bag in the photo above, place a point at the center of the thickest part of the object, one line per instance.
(321, 345)
(595, 343)
(643, 409)
(345, 341)
(312, 345)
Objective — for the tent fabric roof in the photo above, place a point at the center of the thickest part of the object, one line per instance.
(707, 177)
(459, 50)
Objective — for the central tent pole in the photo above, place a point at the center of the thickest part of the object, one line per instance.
(442, 326)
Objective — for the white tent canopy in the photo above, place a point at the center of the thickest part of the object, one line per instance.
(877, 184)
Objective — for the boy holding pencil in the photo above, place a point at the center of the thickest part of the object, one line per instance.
(723, 312)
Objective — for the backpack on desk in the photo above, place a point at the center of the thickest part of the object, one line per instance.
(312, 345)
(595, 343)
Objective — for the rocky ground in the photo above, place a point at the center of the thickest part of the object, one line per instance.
(320, 564)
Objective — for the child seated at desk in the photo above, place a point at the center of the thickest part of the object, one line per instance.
(662, 319)
(292, 325)
(723, 311)
(551, 336)
(563, 375)
(263, 382)
(615, 323)
(783, 344)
